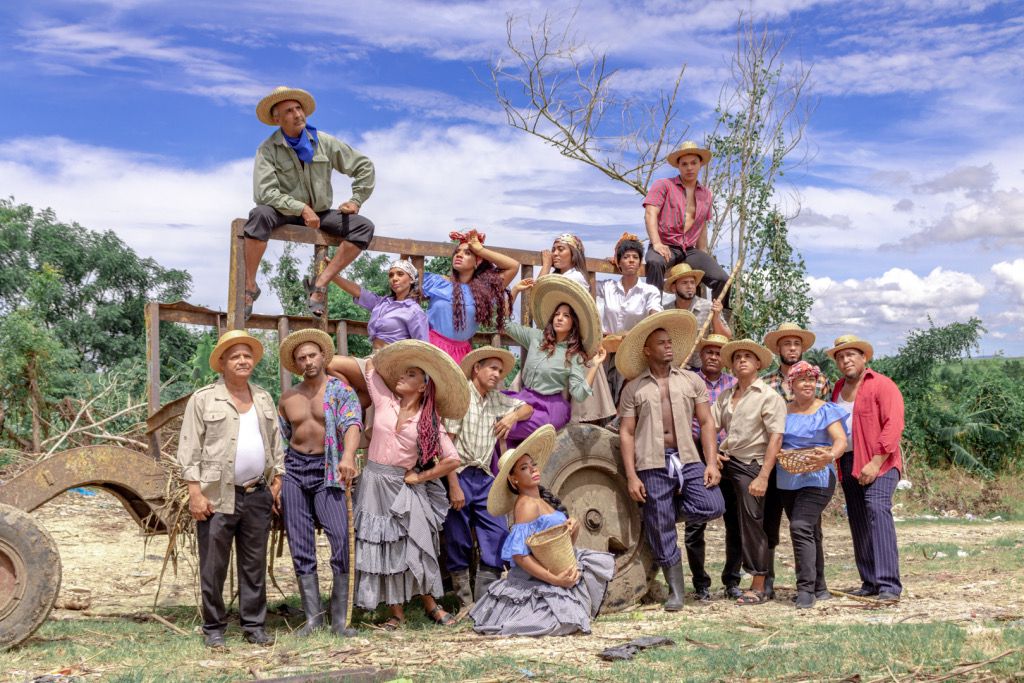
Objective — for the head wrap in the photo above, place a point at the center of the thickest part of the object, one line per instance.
(406, 266)
(462, 236)
(802, 368)
(626, 237)
(571, 240)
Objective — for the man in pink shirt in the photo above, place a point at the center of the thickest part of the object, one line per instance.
(870, 472)
(676, 211)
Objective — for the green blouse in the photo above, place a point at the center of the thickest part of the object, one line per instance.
(549, 374)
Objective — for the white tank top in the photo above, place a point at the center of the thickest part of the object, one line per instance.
(848, 420)
(250, 457)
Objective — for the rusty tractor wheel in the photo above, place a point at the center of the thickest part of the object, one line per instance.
(585, 471)
(29, 575)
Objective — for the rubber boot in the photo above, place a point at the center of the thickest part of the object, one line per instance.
(460, 582)
(339, 607)
(309, 595)
(485, 576)
(769, 581)
(676, 587)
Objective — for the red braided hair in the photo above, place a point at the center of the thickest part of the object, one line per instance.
(427, 432)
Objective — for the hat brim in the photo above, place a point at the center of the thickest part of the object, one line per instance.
(704, 343)
(763, 354)
(451, 391)
(704, 154)
(670, 281)
(296, 339)
(551, 291)
(861, 345)
(230, 339)
(508, 361)
(268, 102)
(539, 446)
(681, 327)
(772, 339)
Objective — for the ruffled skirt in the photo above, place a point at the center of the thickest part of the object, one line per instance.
(520, 605)
(397, 537)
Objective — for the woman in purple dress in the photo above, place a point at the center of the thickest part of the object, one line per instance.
(396, 317)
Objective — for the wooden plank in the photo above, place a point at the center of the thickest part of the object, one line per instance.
(525, 273)
(236, 277)
(319, 263)
(152, 321)
(282, 332)
(341, 338)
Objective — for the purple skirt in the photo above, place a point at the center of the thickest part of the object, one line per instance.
(553, 409)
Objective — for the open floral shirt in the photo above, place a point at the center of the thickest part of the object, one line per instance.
(341, 411)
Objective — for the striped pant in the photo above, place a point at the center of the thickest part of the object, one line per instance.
(307, 501)
(491, 531)
(668, 503)
(869, 509)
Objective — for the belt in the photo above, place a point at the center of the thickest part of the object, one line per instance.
(252, 486)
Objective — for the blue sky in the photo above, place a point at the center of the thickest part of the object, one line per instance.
(137, 116)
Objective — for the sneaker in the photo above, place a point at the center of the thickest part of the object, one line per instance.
(861, 592)
(733, 592)
(214, 641)
(887, 596)
(702, 594)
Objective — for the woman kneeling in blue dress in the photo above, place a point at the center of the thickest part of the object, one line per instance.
(531, 600)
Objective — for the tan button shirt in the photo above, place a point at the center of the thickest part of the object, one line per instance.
(749, 423)
(209, 437)
(641, 398)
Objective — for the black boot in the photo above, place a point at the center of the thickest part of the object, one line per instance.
(485, 576)
(769, 581)
(676, 587)
(309, 594)
(339, 607)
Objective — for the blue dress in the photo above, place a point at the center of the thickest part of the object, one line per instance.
(521, 605)
(440, 313)
(806, 431)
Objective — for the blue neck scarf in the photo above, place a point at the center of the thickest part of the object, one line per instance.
(303, 146)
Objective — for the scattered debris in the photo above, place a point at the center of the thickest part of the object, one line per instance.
(626, 651)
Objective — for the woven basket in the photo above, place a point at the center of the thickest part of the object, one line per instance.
(799, 461)
(611, 342)
(553, 548)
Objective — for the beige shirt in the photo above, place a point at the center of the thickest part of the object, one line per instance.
(641, 398)
(208, 442)
(750, 423)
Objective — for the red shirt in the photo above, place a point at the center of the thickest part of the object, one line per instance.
(669, 195)
(877, 421)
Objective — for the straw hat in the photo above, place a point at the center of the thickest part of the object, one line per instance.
(682, 270)
(538, 446)
(508, 361)
(229, 339)
(851, 341)
(551, 291)
(681, 327)
(451, 391)
(712, 340)
(772, 339)
(690, 147)
(763, 354)
(280, 94)
(297, 339)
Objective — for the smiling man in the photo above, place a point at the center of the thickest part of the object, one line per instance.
(292, 184)
(321, 418)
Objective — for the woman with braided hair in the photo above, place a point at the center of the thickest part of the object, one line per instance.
(455, 312)
(400, 503)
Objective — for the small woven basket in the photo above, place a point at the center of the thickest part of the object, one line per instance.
(553, 548)
(611, 342)
(799, 461)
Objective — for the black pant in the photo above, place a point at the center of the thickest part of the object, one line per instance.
(751, 517)
(715, 276)
(772, 522)
(249, 528)
(803, 509)
(694, 541)
(350, 227)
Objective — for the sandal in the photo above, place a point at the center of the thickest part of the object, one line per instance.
(252, 295)
(446, 620)
(316, 306)
(393, 624)
(752, 598)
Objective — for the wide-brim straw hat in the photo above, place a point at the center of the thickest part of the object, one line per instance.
(681, 327)
(772, 339)
(451, 392)
(297, 339)
(679, 271)
(508, 361)
(712, 340)
(229, 339)
(763, 354)
(689, 147)
(280, 94)
(551, 291)
(851, 341)
(538, 446)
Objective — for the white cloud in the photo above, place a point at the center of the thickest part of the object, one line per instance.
(434, 104)
(1010, 277)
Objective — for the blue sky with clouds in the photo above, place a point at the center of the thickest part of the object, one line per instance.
(137, 116)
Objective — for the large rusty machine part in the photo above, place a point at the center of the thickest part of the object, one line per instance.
(29, 575)
(136, 480)
(585, 471)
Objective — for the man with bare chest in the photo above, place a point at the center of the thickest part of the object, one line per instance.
(321, 419)
(663, 468)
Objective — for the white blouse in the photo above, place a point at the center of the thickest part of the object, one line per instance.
(620, 310)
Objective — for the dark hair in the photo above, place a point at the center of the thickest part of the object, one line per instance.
(490, 297)
(573, 341)
(546, 495)
(628, 245)
(429, 440)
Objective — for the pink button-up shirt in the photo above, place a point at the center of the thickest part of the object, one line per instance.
(669, 195)
(391, 443)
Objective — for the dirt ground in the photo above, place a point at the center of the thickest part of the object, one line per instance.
(104, 553)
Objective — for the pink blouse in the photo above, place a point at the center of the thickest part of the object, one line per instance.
(397, 446)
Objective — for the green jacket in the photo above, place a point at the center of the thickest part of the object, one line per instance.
(280, 180)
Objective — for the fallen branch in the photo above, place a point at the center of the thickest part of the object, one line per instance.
(961, 670)
(159, 619)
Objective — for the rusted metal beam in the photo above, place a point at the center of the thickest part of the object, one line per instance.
(166, 413)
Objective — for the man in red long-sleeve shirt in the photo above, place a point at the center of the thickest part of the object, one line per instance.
(870, 472)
